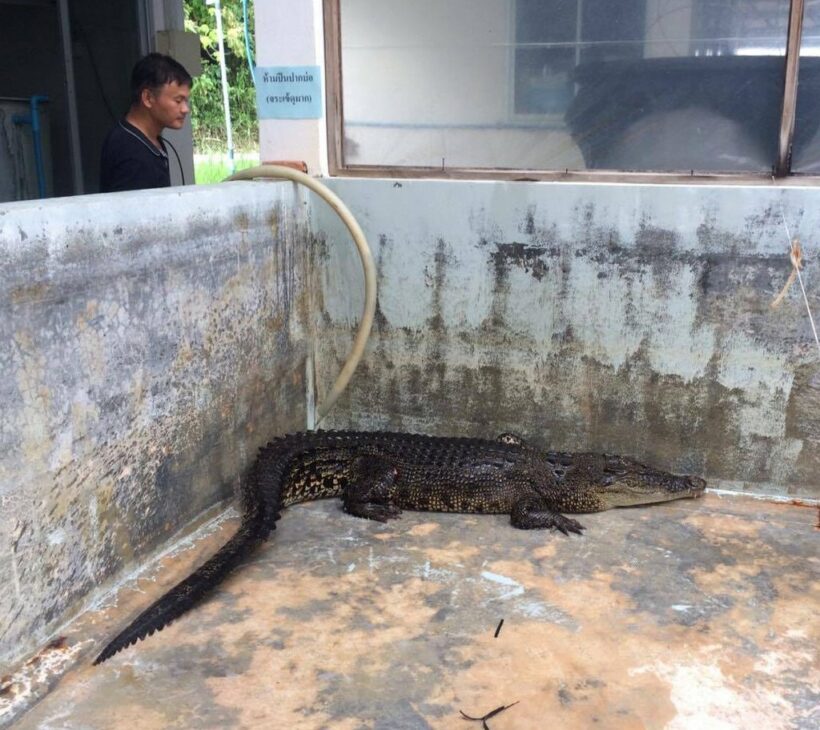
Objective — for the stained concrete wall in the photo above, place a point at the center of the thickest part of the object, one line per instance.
(149, 343)
(626, 318)
(152, 340)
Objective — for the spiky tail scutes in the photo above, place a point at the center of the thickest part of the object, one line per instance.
(261, 501)
(188, 593)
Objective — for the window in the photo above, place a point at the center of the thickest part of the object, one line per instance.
(807, 121)
(676, 86)
(553, 37)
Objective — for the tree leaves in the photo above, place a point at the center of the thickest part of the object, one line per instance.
(208, 116)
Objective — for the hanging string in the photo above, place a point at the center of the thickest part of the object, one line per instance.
(796, 257)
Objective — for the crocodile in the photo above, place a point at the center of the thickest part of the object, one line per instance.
(379, 474)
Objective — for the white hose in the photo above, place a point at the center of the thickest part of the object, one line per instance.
(369, 269)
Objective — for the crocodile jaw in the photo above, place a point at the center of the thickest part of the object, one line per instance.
(631, 494)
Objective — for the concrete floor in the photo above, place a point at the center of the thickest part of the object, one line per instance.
(695, 614)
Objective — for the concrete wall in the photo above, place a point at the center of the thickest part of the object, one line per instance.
(628, 318)
(149, 343)
(152, 340)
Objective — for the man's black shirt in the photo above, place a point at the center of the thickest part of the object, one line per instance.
(130, 161)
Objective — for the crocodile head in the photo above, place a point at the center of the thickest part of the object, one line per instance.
(598, 482)
(625, 482)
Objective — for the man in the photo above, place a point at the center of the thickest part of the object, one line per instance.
(134, 155)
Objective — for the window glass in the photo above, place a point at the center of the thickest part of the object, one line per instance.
(667, 85)
(806, 148)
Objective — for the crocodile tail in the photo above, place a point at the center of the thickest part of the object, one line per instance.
(188, 593)
(260, 497)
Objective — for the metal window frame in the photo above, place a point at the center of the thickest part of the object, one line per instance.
(781, 167)
(789, 109)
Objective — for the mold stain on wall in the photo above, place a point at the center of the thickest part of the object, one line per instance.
(585, 326)
(138, 396)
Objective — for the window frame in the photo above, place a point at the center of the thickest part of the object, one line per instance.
(781, 169)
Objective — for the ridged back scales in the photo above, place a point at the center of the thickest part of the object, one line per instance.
(441, 474)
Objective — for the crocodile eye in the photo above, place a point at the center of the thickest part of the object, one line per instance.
(616, 467)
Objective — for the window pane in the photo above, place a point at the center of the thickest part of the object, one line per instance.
(806, 149)
(668, 85)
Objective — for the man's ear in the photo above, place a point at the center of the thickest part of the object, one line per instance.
(147, 98)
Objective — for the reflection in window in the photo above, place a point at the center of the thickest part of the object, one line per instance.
(552, 37)
(667, 85)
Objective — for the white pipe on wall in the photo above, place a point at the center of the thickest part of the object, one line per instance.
(368, 268)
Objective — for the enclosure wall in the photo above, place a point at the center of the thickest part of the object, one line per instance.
(149, 343)
(626, 318)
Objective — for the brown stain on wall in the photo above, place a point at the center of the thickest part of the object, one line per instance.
(159, 424)
(28, 295)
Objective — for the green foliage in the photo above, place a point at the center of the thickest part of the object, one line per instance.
(208, 116)
(207, 171)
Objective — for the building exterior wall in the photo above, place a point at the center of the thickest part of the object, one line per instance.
(625, 318)
(149, 343)
(291, 34)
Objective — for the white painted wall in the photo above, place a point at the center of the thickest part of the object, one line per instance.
(290, 33)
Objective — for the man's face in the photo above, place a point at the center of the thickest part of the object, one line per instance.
(168, 106)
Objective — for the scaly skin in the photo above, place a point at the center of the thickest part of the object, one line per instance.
(379, 474)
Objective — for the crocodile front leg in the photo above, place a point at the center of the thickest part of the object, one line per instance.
(370, 490)
(534, 513)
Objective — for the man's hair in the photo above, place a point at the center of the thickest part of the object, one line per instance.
(153, 72)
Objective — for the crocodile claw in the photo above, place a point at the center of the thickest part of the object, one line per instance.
(373, 511)
(567, 525)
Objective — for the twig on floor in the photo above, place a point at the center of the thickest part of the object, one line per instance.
(483, 719)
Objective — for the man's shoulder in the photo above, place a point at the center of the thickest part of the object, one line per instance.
(127, 137)
(118, 137)
(129, 162)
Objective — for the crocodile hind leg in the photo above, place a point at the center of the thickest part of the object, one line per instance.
(534, 513)
(370, 489)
